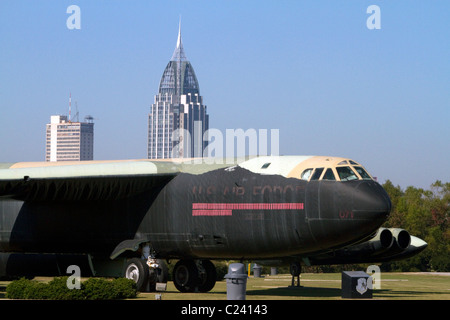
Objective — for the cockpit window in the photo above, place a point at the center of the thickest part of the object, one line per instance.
(346, 174)
(342, 162)
(329, 175)
(353, 162)
(306, 174)
(363, 173)
(317, 174)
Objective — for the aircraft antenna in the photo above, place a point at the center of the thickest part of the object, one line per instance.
(89, 119)
(77, 118)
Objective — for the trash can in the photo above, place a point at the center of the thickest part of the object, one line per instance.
(236, 281)
(273, 271)
(257, 271)
(356, 284)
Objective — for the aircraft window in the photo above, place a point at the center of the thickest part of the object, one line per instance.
(363, 173)
(265, 165)
(317, 174)
(346, 174)
(342, 162)
(329, 175)
(353, 162)
(306, 174)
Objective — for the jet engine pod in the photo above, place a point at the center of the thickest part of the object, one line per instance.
(385, 238)
(402, 239)
(380, 243)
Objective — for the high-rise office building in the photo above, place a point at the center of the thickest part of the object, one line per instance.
(178, 119)
(69, 141)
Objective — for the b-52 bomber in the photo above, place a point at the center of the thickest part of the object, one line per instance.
(128, 218)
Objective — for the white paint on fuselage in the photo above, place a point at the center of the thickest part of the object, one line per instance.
(280, 165)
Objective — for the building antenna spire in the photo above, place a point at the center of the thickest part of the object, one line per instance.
(179, 33)
(178, 54)
(179, 48)
(70, 105)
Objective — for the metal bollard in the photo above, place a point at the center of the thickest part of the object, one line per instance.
(236, 281)
(273, 271)
(257, 271)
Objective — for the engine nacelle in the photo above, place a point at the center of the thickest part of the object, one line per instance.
(383, 240)
(387, 244)
(401, 240)
(401, 237)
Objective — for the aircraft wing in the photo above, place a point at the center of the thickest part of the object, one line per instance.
(87, 180)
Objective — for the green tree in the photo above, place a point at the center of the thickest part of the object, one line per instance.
(424, 214)
(438, 236)
(395, 194)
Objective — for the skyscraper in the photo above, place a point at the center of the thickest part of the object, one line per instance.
(178, 119)
(69, 141)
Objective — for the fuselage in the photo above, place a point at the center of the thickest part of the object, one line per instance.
(248, 215)
(267, 207)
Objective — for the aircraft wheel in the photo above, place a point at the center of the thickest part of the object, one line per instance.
(207, 277)
(185, 275)
(137, 270)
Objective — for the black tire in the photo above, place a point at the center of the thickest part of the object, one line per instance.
(137, 270)
(207, 280)
(185, 275)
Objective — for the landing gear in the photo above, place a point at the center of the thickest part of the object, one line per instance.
(190, 275)
(295, 270)
(145, 276)
(207, 276)
(158, 273)
(137, 270)
(185, 275)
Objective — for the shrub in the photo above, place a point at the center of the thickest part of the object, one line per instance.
(17, 289)
(58, 290)
(98, 289)
(124, 288)
(221, 269)
(91, 289)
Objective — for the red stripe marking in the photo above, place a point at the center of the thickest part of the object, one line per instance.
(226, 209)
(212, 212)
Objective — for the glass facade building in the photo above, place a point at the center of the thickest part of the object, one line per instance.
(178, 118)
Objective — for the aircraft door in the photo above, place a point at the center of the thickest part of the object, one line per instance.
(327, 200)
(312, 200)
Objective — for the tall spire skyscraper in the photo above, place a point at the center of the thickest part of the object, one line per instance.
(177, 120)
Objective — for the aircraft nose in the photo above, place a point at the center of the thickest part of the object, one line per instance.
(349, 210)
(370, 201)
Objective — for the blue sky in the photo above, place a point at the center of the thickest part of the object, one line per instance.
(311, 69)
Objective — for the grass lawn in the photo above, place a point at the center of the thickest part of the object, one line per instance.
(324, 286)
(401, 286)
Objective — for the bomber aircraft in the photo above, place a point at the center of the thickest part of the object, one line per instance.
(128, 218)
